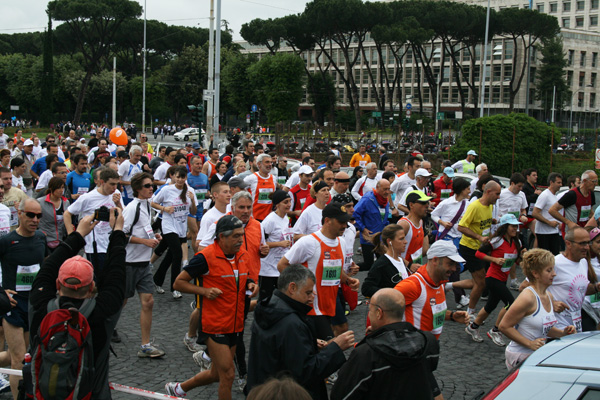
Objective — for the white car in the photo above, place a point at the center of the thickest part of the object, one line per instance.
(188, 134)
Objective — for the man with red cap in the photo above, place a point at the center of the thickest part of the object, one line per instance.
(73, 276)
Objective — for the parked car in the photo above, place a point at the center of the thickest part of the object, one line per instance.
(188, 134)
(565, 368)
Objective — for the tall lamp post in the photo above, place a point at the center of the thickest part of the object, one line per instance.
(485, 49)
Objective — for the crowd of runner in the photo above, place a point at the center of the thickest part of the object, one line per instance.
(280, 242)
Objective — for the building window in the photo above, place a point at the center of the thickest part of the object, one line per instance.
(569, 78)
(409, 56)
(508, 50)
(566, 6)
(507, 72)
(580, 99)
(581, 79)
(593, 20)
(593, 80)
(531, 96)
(540, 7)
(579, 22)
(495, 95)
(553, 7)
(566, 22)
(466, 71)
(365, 95)
(592, 100)
(454, 95)
(409, 73)
(532, 75)
(570, 59)
(580, 5)
(365, 77)
(426, 95)
(506, 95)
(594, 59)
(446, 74)
(445, 94)
(594, 4)
(582, 59)
(497, 73)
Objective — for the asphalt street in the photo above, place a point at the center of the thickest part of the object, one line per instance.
(466, 368)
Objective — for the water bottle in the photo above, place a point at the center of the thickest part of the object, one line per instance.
(27, 377)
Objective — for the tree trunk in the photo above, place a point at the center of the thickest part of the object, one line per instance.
(81, 97)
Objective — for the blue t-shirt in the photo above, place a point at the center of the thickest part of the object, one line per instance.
(200, 185)
(78, 184)
(40, 166)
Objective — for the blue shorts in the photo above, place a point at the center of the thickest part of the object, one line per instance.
(19, 315)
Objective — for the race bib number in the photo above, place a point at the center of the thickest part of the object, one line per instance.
(486, 232)
(585, 213)
(382, 213)
(25, 276)
(348, 261)
(594, 300)
(439, 316)
(281, 180)
(509, 262)
(547, 324)
(14, 216)
(576, 316)
(302, 202)
(82, 190)
(332, 272)
(515, 213)
(362, 163)
(200, 194)
(531, 207)
(180, 211)
(149, 232)
(263, 195)
(445, 193)
(417, 256)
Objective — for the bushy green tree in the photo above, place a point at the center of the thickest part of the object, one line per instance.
(551, 74)
(278, 81)
(532, 143)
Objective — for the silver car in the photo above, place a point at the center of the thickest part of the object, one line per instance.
(566, 368)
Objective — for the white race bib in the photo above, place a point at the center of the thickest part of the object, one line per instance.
(439, 316)
(25, 276)
(82, 190)
(332, 272)
(510, 261)
(263, 195)
(576, 316)
(585, 213)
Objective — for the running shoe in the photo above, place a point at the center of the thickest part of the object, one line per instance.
(150, 351)
(514, 285)
(496, 337)
(202, 362)
(241, 383)
(191, 344)
(176, 294)
(115, 338)
(171, 387)
(159, 289)
(464, 300)
(474, 334)
(4, 383)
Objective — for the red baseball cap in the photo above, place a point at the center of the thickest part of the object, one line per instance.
(78, 268)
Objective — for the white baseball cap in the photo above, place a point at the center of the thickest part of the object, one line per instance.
(28, 142)
(471, 153)
(422, 172)
(306, 170)
(444, 248)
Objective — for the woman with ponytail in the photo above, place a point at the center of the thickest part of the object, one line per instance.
(387, 271)
(175, 202)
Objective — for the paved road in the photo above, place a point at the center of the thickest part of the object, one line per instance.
(466, 368)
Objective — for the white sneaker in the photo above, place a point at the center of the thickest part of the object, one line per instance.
(474, 334)
(191, 344)
(202, 362)
(464, 300)
(514, 285)
(496, 337)
(241, 383)
(171, 389)
(177, 294)
(159, 289)
(4, 383)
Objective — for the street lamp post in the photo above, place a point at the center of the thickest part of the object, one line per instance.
(485, 49)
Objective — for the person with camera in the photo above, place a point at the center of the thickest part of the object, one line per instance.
(73, 276)
(97, 202)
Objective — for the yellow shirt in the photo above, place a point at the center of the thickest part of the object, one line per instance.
(477, 218)
(357, 160)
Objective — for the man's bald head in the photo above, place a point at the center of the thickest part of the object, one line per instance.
(341, 175)
(341, 182)
(491, 185)
(390, 303)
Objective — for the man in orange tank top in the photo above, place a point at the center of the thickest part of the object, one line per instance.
(262, 185)
(210, 166)
(417, 242)
(425, 297)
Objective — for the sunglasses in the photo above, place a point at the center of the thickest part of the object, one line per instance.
(32, 215)
(147, 185)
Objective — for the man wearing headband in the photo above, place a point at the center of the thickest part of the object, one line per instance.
(223, 268)
(73, 277)
(341, 182)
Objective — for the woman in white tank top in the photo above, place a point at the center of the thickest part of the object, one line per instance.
(530, 320)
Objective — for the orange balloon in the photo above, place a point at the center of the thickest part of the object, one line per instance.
(0, 112)
(118, 136)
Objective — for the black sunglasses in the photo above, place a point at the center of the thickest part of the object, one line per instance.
(147, 185)
(32, 215)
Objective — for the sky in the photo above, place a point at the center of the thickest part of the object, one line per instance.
(30, 15)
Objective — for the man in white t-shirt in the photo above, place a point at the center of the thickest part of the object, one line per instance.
(104, 195)
(571, 284)
(403, 182)
(295, 178)
(547, 230)
(512, 200)
(479, 170)
(128, 169)
(367, 183)
(221, 194)
(422, 177)
(323, 252)
(160, 175)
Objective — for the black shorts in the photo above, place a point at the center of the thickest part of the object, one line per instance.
(472, 263)
(340, 310)
(228, 339)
